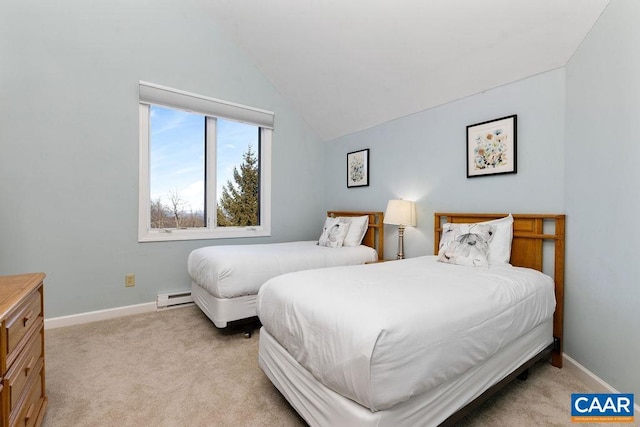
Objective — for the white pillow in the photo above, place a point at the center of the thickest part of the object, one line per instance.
(334, 232)
(357, 229)
(500, 243)
(466, 244)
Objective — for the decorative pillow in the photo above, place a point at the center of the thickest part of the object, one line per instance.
(466, 244)
(357, 229)
(334, 232)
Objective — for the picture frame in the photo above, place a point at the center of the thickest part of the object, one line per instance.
(492, 147)
(358, 168)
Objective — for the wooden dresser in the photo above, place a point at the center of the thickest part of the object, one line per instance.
(22, 390)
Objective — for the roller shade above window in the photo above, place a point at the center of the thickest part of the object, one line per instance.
(169, 97)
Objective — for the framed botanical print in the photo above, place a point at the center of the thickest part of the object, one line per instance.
(491, 147)
(358, 168)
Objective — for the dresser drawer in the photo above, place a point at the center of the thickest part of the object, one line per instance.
(21, 320)
(23, 400)
(28, 412)
(28, 364)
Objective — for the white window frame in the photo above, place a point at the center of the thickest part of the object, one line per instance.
(210, 107)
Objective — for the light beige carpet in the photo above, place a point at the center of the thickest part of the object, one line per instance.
(174, 368)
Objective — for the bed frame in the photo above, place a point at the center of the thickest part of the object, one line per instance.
(526, 251)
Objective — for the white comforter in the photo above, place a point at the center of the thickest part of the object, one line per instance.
(238, 270)
(380, 334)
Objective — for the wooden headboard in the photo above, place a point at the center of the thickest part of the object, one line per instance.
(526, 251)
(374, 238)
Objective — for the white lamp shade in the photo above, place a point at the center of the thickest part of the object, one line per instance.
(400, 212)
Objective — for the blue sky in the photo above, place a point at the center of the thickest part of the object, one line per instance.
(177, 154)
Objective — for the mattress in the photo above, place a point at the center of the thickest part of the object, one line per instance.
(321, 406)
(239, 270)
(380, 334)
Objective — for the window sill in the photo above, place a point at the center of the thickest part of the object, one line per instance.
(169, 235)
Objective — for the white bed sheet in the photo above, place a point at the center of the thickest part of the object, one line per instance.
(239, 270)
(321, 406)
(383, 333)
(221, 311)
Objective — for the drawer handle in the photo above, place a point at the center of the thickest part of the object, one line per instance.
(28, 415)
(29, 366)
(26, 318)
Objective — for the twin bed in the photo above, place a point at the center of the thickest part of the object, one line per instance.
(416, 341)
(226, 279)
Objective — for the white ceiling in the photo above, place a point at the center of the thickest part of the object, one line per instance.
(347, 65)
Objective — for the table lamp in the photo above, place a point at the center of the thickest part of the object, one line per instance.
(403, 214)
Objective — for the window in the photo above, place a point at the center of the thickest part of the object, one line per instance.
(205, 167)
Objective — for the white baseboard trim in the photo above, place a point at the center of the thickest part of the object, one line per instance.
(93, 316)
(591, 380)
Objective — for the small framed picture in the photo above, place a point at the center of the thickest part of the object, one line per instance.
(358, 168)
(491, 147)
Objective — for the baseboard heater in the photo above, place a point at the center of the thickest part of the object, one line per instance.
(174, 299)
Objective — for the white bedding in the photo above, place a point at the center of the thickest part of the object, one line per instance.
(320, 406)
(380, 334)
(238, 270)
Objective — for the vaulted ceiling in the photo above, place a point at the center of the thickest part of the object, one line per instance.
(347, 65)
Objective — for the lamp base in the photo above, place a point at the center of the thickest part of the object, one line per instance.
(400, 242)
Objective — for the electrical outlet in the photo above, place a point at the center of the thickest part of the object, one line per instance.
(129, 280)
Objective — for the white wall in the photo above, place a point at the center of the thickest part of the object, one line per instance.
(422, 157)
(602, 198)
(69, 137)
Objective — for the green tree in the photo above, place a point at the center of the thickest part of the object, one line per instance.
(238, 204)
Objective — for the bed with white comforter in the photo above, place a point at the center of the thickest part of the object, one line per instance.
(226, 279)
(389, 335)
(233, 271)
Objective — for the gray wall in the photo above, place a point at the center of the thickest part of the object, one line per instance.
(422, 157)
(69, 139)
(602, 199)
